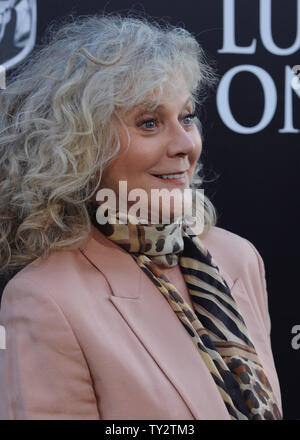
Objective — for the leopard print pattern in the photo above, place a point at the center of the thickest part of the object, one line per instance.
(255, 387)
(162, 242)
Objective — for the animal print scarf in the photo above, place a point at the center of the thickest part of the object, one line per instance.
(216, 326)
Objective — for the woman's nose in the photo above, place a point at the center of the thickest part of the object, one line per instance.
(181, 141)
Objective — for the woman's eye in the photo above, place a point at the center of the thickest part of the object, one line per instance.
(149, 124)
(189, 118)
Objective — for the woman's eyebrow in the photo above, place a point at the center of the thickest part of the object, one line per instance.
(150, 105)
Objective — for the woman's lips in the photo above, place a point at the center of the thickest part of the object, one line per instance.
(177, 181)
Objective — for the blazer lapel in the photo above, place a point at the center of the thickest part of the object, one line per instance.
(156, 326)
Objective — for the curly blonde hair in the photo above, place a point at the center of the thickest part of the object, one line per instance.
(57, 132)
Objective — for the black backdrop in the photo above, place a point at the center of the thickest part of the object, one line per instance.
(251, 147)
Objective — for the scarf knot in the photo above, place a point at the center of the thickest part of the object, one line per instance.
(162, 243)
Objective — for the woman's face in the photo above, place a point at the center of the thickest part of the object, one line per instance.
(162, 142)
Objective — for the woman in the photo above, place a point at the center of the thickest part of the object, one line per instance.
(122, 320)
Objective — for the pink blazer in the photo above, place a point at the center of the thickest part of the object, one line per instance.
(89, 336)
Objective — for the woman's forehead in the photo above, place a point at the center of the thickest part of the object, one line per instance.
(154, 102)
(158, 99)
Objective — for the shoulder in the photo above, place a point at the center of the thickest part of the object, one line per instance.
(62, 277)
(220, 238)
(235, 254)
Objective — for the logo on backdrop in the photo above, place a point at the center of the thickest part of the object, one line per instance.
(292, 74)
(18, 21)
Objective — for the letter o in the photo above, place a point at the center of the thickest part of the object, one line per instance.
(270, 98)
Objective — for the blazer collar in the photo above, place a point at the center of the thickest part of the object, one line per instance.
(106, 256)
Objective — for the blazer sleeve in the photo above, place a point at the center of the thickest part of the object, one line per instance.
(43, 372)
(259, 278)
